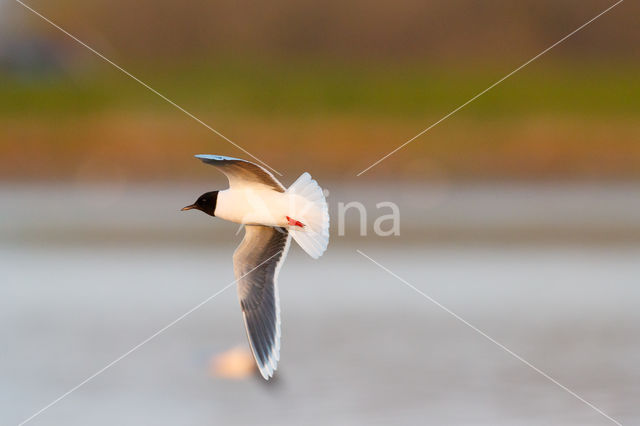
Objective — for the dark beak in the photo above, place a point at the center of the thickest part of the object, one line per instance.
(192, 206)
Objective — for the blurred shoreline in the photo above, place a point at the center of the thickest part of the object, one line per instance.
(560, 120)
(437, 213)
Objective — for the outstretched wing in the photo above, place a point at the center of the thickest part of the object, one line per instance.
(242, 172)
(256, 263)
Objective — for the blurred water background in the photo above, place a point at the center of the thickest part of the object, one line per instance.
(520, 213)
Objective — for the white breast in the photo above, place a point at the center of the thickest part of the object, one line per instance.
(253, 206)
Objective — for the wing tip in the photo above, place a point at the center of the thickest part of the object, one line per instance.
(266, 371)
(268, 367)
(213, 157)
(267, 364)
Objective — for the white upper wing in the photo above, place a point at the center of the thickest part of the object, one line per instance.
(242, 172)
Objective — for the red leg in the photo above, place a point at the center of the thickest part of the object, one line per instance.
(293, 222)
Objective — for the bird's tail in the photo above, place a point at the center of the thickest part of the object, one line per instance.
(309, 223)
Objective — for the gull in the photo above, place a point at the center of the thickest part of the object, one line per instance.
(271, 215)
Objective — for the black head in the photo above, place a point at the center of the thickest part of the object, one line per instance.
(206, 203)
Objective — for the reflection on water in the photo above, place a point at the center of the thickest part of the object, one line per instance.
(358, 347)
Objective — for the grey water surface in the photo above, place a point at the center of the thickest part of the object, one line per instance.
(105, 269)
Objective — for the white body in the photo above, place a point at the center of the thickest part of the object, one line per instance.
(251, 206)
(256, 197)
(301, 209)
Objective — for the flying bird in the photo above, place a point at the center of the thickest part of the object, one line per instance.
(271, 215)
